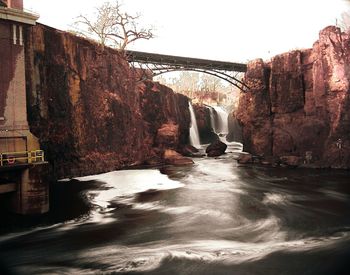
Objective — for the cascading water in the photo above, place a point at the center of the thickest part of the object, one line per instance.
(219, 123)
(221, 127)
(194, 135)
(212, 118)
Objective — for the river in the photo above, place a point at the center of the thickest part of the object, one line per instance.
(214, 217)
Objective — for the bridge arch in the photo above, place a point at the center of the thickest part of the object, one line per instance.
(159, 64)
(233, 80)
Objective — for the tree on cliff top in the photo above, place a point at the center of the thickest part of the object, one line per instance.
(344, 22)
(112, 27)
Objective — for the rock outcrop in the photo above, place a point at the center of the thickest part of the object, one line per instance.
(234, 129)
(89, 112)
(216, 148)
(174, 158)
(205, 129)
(298, 104)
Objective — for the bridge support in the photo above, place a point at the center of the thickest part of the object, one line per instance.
(26, 188)
(32, 194)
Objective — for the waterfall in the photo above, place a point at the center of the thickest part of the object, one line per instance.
(194, 135)
(212, 118)
(220, 120)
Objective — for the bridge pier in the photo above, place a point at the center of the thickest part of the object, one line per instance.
(32, 194)
(26, 188)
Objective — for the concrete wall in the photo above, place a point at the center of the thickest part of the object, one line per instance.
(14, 130)
(28, 185)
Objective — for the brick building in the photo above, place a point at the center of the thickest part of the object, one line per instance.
(14, 131)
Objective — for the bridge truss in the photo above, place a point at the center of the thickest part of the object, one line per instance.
(159, 64)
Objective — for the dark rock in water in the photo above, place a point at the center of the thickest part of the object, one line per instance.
(244, 158)
(216, 148)
(173, 157)
(292, 161)
(190, 151)
(190, 148)
(270, 161)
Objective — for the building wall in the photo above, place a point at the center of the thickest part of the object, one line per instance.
(13, 110)
(16, 4)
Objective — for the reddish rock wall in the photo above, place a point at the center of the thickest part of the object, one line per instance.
(87, 109)
(299, 102)
(206, 132)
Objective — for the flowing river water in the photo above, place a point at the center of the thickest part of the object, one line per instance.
(214, 217)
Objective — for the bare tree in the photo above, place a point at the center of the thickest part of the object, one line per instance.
(111, 26)
(200, 86)
(344, 22)
(210, 83)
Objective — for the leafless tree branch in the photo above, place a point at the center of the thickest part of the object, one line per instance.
(111, 26)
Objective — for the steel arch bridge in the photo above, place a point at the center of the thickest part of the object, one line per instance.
(159, 64)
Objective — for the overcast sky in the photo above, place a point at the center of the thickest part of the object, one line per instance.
(213, 29)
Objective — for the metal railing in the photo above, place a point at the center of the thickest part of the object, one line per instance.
(23, 157)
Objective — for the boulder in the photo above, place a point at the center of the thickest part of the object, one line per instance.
(190, 151)
(168, 135)
(244, 158)
(216, 148)
(291, 161)
(174, 158)
(270, 161)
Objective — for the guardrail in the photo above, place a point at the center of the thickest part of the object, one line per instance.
(13, 158)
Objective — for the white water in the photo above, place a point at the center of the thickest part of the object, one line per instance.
(212, 118)
(222, 126)
(194, 135)
(214, 217)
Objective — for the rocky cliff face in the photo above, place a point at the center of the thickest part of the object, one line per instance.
(205, 129)
(299, 103)
(88, 110)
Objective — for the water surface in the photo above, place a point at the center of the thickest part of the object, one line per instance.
(214, 217)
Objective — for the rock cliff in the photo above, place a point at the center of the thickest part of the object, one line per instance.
(88, 110)
(205, 129)
(298, 104)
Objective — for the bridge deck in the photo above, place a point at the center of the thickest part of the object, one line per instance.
(161, 59)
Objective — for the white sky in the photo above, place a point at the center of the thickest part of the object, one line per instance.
(227, 30)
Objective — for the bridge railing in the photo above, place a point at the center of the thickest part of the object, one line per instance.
(23, 157)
